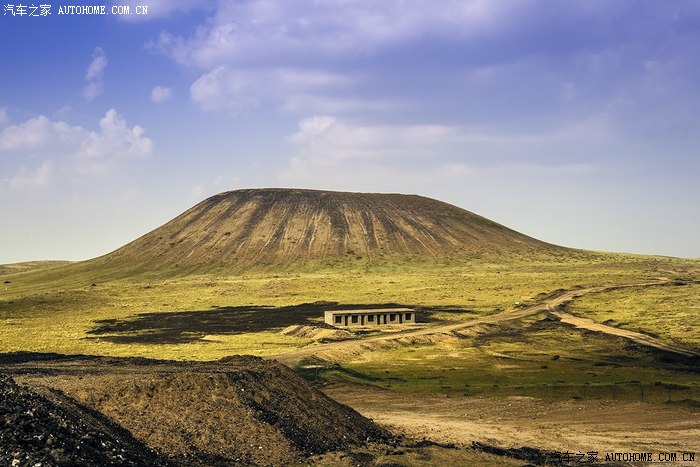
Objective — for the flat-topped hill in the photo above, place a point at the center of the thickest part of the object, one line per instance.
(280, 226)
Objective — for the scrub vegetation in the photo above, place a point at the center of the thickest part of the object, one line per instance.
(672, 314)
(207, 317)
(163, 296)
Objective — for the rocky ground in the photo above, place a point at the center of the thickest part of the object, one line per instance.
(36, 431)
(58, 410)
(240, 411)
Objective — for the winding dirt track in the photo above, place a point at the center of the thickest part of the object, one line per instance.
(553, 305)
(639, 338)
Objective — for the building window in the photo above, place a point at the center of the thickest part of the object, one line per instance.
(338, 319)
(354, 319)
(408, 316)
(370, 318)
(392, 317)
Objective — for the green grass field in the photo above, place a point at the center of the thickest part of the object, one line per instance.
(54, 310)
(534, 357)
(671, 313)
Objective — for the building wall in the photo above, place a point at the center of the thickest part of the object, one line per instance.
(369, 318)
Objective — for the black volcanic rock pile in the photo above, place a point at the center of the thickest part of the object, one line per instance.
(37, 431)
(241, 410)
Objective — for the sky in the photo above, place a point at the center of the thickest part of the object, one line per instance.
(575, 122)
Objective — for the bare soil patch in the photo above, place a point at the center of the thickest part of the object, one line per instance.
(513, 422)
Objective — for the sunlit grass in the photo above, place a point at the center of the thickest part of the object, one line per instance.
(535, 357)
(46, 311)
(671, 313)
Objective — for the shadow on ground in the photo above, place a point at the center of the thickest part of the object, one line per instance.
(181, 327)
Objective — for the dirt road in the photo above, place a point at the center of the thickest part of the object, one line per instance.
(639, 338)
(552, 305)
(561, 425)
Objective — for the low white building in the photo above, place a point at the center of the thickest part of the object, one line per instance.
(369, 318)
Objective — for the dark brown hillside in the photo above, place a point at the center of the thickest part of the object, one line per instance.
(281, 226)
(239, 411)
(35, 430)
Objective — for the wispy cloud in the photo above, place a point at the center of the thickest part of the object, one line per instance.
(330, 149)
(248, 31)
(40, 134)
(160, 94)
(230, 88)
(29, 179)
(94, 74)
(74, 149)
(286, 53)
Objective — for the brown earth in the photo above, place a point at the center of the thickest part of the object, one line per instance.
(603, 426)
(244, 228)
(327, 333)
(637, 337)
(51, 431)
(240, 411)
(84, 410)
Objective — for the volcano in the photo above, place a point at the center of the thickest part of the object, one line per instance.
(280, 227)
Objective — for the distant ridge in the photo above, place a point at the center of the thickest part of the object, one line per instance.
(274, 226)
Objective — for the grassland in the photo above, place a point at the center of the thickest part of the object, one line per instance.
(535, 357)
(55, 310)
(672, 314)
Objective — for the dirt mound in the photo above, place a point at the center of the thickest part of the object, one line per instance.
(240, 411)
(317, 332)
(37, 431)
(241, 229)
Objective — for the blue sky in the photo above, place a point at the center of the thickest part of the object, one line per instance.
(575, 122)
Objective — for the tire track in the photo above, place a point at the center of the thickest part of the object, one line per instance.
(553, 305)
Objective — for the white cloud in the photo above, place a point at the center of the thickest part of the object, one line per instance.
(220, 89)
(242, 31)
(72, 149)
(115, 139)
(97, 66)
(335, 151)
(94, 74)
(160, 94)
(235, 89)
(40, 133)
(323, 138)
(3, 116)
(37, 178)
(310, 103)
(303, 41)
(92, 90)
(312, 127)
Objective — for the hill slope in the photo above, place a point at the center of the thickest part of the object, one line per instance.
(281, 226)
(237, 411)
(37, 431)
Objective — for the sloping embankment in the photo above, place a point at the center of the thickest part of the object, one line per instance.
(241, 411)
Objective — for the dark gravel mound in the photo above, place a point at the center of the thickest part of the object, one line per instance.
(237, 411)
(37, 431)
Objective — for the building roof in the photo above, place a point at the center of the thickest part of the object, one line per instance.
(372, 310)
